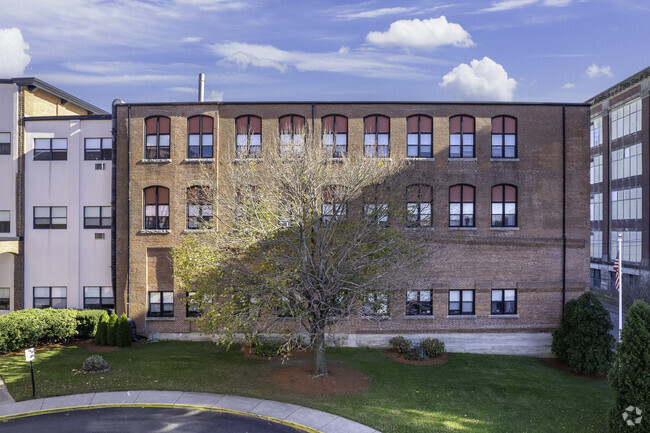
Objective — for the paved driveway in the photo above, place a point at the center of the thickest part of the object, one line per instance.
(143, 420)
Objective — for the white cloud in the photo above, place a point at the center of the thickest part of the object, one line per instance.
(190, 39)
(374, 13)
(13, 53)
(594, 71)
(428, 33)
(346, 61)
(507, 5)
(184, 89)
(483, 80)
(557, 3)
(568, 86)
(216, 95)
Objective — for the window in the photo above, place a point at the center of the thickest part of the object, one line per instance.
(199, 207)
(5, 221)
(627, 204)
(419, 303)
(626, 162)
(292, 134)
(192, 308)
(50, 149)
(335, 135)
(157, 137)
(99, 298)
(50, 217)
(5, 143)
(249, 137)
(596, 239)
(626, 119)
(596, 169)
(504, 137)
(461, 206)
(461, 302)
(334, 205)
(504, 206)
(161, 304)
(594, 278)
(375, 205)
(5, 301)
(156, 208)
(418, 139)
(596, 207)
(418, 206)
(376, 305)
(461, 137)
(504, 301)
(631, 246)
(596, 137)
(96, 149)
(97, 217)
(50, 297)
(376, 130)
(199, 136)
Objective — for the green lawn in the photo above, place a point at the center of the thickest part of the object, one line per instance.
(470, 393)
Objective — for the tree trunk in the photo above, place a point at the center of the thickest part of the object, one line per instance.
(320, 365)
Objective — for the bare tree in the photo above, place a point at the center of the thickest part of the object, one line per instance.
(300, 239)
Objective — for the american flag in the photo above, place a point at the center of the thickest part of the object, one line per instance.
(617, 269)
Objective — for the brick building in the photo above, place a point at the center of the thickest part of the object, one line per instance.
(502, 202)
(42, 170)
(620, 174)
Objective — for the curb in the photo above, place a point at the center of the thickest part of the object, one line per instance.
(298, 417)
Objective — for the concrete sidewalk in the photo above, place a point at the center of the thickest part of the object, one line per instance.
(5, 397)
(310, 419)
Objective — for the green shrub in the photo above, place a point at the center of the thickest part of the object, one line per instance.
(95, 364)
(102, 329)
(400, 344)
(33, 327)
(111, 330)
(630, 376)
(417, 355)
(123, 331)
(266, 349)
(582, 340)
(433, 347)
(87, 321)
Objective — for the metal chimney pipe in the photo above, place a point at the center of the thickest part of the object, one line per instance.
(201, 86)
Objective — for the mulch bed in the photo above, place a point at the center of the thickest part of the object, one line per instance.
(246, 350)
(401, 357)
(559, 365)
(339, 380)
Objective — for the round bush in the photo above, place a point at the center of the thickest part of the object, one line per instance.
(417, 355)
(433, 347)
(266, 349)
(582, 340)
(96, 364)
(400, 344)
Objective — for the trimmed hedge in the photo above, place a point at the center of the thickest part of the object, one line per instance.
(87, 321)
(33, 327)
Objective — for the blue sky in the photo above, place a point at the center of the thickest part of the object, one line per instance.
(261, 50)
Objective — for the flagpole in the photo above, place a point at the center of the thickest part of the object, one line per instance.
(620, 285)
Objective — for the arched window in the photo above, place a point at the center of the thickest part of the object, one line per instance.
(504, 137)
(504, 206)
(334, 205)
(461, 206)
(292, 133)
(199, 136)
(199, 207)
(249, 136)
(419, 204)
(461, 137)
(335, 135)
(418, 140)
(376, 137)
(156, 208)
(157, 141)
